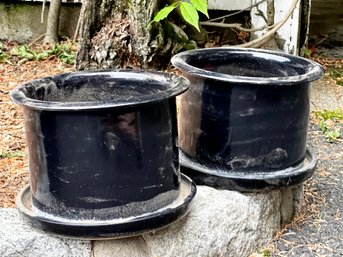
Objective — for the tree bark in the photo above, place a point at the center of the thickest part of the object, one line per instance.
(114, 34)
(51, 35)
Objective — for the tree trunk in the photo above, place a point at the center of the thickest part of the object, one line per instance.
(51, 35)
(114, 34)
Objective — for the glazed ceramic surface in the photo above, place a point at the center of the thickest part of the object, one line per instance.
(246, 110)
(102, 144)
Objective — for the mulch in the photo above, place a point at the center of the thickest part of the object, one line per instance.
(13, 161)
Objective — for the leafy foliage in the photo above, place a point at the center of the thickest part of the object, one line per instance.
(163, 13)
(201, 6)
(3, 55)
(63, 51)
(337, 75)
(16, 154)
(335, 115)
(330, 123)
(190, 14)
(188, 9)
(267, 253)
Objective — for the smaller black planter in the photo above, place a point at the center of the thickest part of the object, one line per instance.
(102, 153)
(243, 122)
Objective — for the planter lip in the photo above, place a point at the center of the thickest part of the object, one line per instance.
(313, 70)
(175, 85)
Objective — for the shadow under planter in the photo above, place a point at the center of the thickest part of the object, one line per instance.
(243, 122)
(102, 153)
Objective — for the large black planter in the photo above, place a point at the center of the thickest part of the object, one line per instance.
(243, 122)
(102, 153)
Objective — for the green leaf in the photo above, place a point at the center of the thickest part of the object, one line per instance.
(163, 13)
(332, 135)
(42, 56)
(190, 14)
(323, 126)
(201, 6)
(15, 154)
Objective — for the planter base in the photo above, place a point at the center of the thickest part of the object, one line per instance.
(117, 228)
(248, 181)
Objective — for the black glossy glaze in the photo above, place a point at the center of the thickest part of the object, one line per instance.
(246, 110)
(115, 228)
(102, 144)
(249, 181)
(98, 89)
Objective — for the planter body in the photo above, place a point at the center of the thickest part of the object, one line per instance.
(246, 110)
(84, 163)
(102, 144)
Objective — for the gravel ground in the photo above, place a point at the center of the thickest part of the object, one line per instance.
(318, 230)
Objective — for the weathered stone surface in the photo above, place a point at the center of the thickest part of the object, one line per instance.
(287, 205)
(220, 223)
(298, 198)
(18, 239)
(135, 246)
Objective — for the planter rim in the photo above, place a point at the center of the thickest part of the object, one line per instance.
(175, 85)
(313, 70)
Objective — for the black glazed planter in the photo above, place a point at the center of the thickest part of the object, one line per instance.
(102, 153)
(243, 122)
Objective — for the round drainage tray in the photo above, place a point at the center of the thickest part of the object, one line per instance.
(248, 181)
(116, 228)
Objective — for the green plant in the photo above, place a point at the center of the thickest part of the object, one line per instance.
(307, 52)
(266, 253)
(188, 9)
(337, 75)
(331, 135)
(24, 52)
(63, 51)
(67, 55)
(3, 55)
(330, 121)
(335, 115)
(15, 154)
